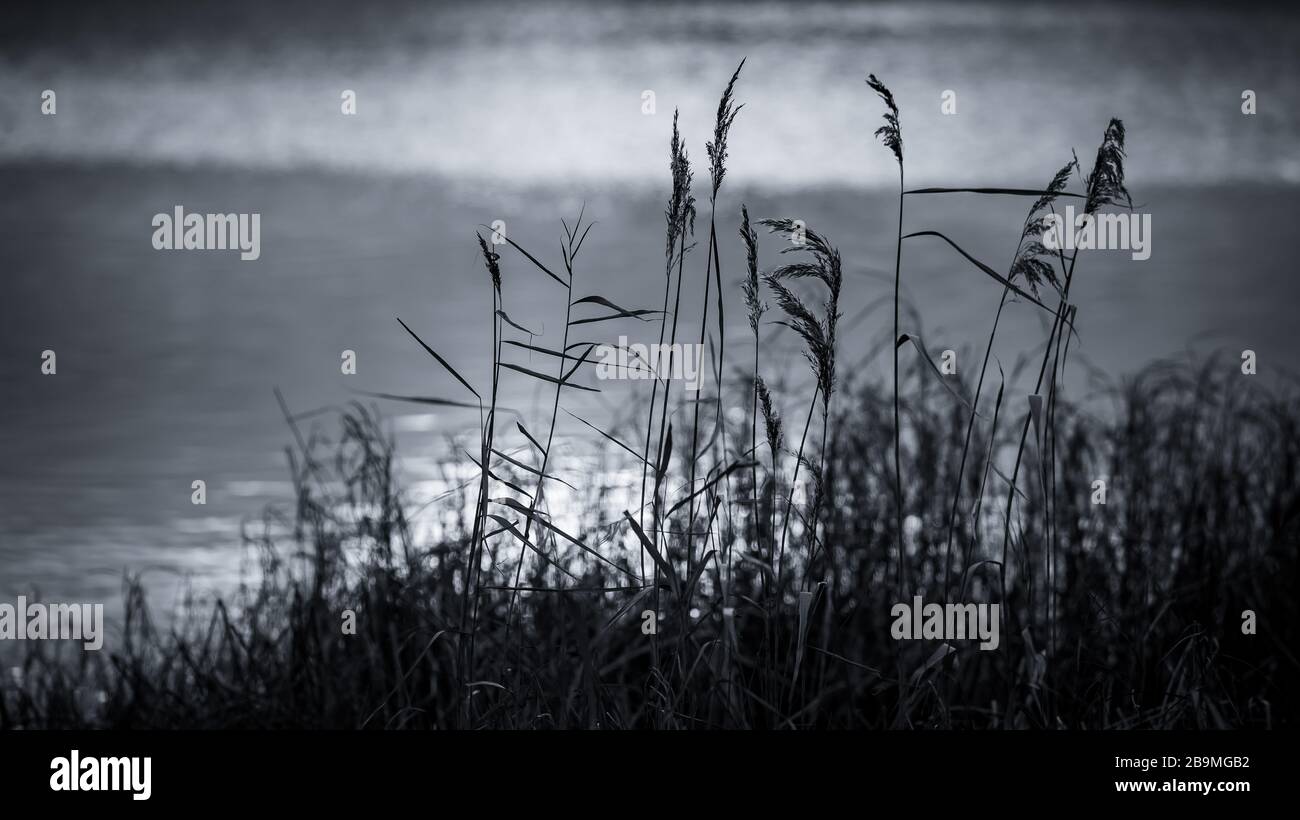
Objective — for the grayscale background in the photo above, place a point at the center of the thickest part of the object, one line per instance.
(525, 113)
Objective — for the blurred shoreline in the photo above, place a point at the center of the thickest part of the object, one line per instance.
(553, 95)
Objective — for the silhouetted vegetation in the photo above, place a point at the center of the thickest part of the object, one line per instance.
(772, 563)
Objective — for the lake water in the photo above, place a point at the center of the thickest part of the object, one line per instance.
(167, 360)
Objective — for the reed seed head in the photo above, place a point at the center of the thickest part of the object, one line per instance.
(818, 334)
(1033, 261)
(1105, 185)
(491, 258)
(681, 205)
(717, 148)
(750, 286)
(890, 133)
(771, 418)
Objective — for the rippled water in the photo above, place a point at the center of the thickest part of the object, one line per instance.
(167, 360)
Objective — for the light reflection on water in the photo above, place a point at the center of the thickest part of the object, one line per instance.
(167, 362)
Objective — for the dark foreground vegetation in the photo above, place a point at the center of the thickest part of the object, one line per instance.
(772, 549)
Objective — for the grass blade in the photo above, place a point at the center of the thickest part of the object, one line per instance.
(550, 379)
(440, 360)
(925, 355)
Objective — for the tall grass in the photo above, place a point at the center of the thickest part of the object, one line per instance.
(505, 615)
(892, 136)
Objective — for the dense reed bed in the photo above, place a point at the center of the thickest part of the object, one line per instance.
(748, 580)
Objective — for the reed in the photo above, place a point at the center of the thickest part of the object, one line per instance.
(891, 135)
(505, 616)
